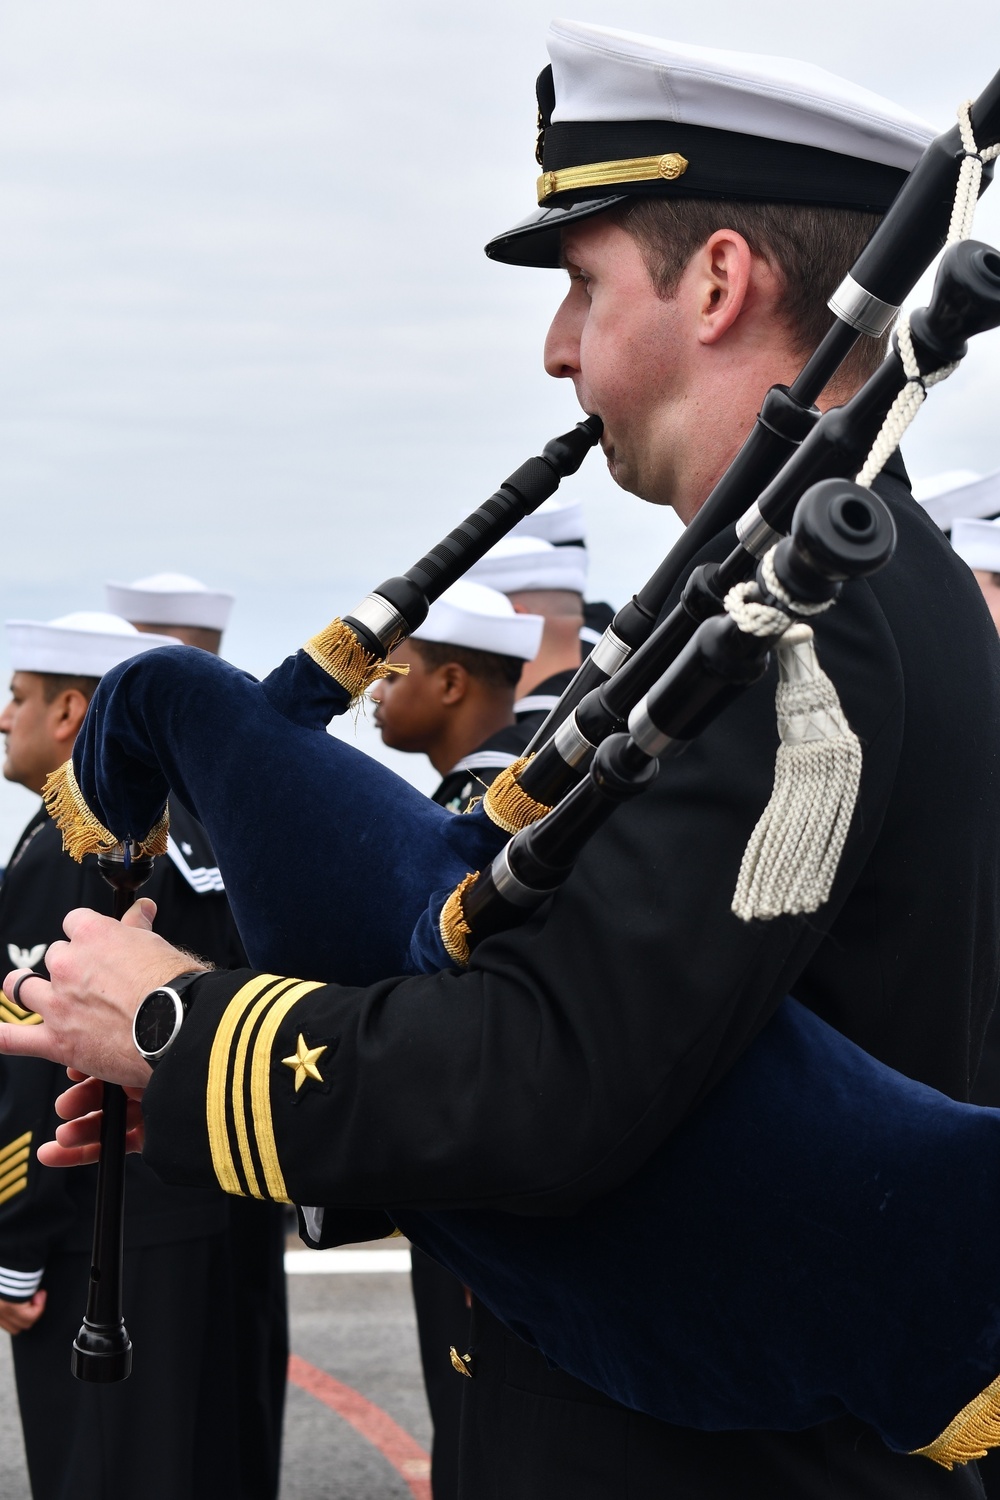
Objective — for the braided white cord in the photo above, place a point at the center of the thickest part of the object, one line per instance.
(904, 408)
(754, 617)
(774, 586)
(911, 397)
(750, 615)
(969, 177)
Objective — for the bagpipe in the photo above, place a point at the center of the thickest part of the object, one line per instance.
(283, 803)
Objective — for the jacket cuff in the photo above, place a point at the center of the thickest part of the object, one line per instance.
(19, 1286)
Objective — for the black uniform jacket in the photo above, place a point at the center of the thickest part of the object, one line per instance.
(42, 1210)
(573, 1045)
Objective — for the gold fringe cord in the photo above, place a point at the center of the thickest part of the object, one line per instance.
(453, 926)
(971, 1433)
(82, 833)
(341, 655)
(505, 803)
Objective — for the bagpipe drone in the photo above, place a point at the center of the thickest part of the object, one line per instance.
(280, 787)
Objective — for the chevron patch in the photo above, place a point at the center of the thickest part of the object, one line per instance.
(14, 1160)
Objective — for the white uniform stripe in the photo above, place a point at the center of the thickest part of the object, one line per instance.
(203, 879)
(483, 760)
(540, 703)
(15, 1284)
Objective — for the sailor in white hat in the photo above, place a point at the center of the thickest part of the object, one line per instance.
(561, 522)
(549, 581)
(174, 604)
(456, 703)
(57, 664)
(181, 1260)
(978, 544)
(959, 494)
(558, 521)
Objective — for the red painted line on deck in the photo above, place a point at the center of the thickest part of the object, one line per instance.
(370, 1421)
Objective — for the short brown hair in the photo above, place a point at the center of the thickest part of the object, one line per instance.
(488, 667)
(54, 683)
(812, 248)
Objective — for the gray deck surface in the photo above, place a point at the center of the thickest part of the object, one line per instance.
(359, 1329)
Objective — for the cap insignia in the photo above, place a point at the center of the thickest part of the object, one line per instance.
(611, 174)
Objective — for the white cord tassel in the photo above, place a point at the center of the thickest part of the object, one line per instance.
(793, 853)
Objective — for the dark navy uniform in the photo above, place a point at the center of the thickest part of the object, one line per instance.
(573, 1045)
(470, 777)
(203, 1286)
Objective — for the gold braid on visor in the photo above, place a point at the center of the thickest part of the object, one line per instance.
(611, 173)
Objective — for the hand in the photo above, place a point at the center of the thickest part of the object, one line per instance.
(98, 980)
(78, 1143)
(15, 1317)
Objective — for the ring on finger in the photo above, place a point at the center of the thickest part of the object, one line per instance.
(18, 985)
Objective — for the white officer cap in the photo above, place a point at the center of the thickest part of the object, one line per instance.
(557, 521)
(624, 115)
(977, 543)
(170, 599)
(520, 563)
(959, 494)
(482, 619)
(87, 643)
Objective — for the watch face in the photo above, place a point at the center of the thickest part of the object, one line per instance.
(157, 1020)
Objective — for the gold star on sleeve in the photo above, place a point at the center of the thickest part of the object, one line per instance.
(304, 1060)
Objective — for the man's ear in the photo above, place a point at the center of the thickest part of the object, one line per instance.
(67, 714)
(454, 683)
(725, 268)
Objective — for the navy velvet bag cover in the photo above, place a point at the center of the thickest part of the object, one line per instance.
(328, 857)
(822, 1235)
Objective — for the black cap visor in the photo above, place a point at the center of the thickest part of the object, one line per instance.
(536, 241)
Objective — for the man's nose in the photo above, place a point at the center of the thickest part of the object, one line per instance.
(562, 344)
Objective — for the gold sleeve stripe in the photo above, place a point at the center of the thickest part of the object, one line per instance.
(260, 1089)
(239, 1074)
(18, 1187)
(8, 1150)
(218, 1066)
(16, 1167)
(15, 1016)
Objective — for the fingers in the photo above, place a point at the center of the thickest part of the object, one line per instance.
(141, 914)
(16, 1317)
(83, 1099)
(81, 918)
(23, 1041)
(87, 1096)
(83, 1146)
(51, 1154)
(30, 988)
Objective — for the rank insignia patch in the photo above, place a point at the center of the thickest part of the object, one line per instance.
(14, 1166)
(304, 1060)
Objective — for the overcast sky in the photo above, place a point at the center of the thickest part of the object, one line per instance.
(246, 326)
